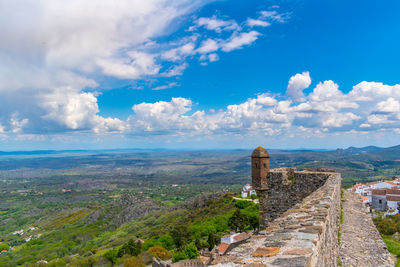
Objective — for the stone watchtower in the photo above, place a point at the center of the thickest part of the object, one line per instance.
(259, 167)
(259, 175)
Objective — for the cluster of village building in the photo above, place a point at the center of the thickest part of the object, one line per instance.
(22, 232)
(380, 195)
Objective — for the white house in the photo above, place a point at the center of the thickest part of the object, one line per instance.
(392, 202)
(20, 232)
(365, 190)
(385, 185)
(247, 191)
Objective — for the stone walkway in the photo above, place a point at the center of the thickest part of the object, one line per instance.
(361, 244)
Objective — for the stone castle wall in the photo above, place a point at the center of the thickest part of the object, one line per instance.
(305, 229)
(286, 187)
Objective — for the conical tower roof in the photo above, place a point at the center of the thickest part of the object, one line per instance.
(260, 152)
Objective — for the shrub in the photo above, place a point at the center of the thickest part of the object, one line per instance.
(237, 222)
(180, 234)
(134, 262)
(131, 248)
(111, 255)
(159, 252)
(3, 246)
(242, 204)
(385, 226)
(191, 251)
(254, 197)
(178, 256)
(59, 263)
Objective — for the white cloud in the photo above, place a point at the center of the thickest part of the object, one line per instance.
(208, 46)
(166, 86)
(137, 65)
(237, 41)
(328, 90)
(53, 48)
(390, 105)
(297, 84)
(175, 70)
(324, 111)
(370, 91)
(167, 118)
(213, 57)
(378, 119)
(217, 25)
(275, 16)
(339, 119)
(179, 53)
(257, 22)
(266, 100)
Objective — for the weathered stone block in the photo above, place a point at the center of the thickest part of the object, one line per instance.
(265, 252)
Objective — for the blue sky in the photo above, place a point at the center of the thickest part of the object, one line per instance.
(198, 74)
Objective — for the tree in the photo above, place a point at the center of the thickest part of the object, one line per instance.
(180, 234)
(111, 255)
(166, 242)
(211, 241)
(191, 251)
(131, 247)
(254, 221)
(242, 204)
(178, 256)
(237, 222)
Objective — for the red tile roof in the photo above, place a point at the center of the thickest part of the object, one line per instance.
(393, 198)
(223, 247)
(393, 191)
(241, 237)
(364, 198)
(380, 192)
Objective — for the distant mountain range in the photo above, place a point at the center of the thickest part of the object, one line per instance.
(350, 150)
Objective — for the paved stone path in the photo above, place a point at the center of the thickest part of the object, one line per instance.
(361, 244)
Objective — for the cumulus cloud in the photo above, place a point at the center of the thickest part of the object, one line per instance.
(168, 118)
(54, 48)
(325, 110)
(297, 84)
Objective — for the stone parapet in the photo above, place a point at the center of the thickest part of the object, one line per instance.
(285, 188)
(305, 234)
